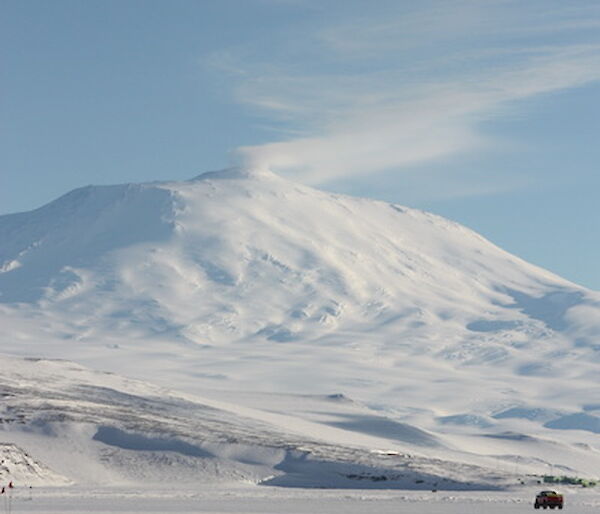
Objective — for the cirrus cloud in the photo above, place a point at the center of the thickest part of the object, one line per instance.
(400, 86)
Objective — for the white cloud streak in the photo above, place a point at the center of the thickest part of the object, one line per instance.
(411, 103)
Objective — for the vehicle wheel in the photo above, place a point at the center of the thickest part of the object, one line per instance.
(536, 505)
(560, 506)
(545, 506)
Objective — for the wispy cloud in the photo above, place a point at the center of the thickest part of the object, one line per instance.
(403, 86)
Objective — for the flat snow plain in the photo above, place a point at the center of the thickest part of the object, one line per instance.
(267, 500)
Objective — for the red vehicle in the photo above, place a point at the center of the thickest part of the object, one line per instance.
(547, 499)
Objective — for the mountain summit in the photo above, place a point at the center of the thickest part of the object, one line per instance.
(242, 279)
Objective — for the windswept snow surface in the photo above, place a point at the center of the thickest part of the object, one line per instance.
(247, 500)
(239, 284)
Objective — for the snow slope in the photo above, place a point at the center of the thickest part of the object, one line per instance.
(96, 428)
(19, 467)
(242, 281)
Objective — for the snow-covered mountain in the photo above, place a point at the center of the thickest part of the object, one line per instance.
(243, 281)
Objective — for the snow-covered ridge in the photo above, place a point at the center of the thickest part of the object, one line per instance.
(100, 428)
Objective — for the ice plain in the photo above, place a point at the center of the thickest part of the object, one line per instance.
(249, 500)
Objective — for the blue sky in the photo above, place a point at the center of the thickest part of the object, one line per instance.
(484, 111)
